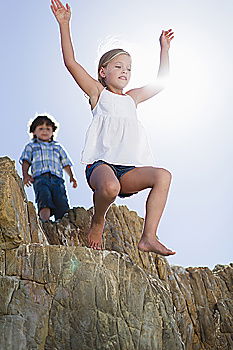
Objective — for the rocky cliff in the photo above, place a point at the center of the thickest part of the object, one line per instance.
(57, 294)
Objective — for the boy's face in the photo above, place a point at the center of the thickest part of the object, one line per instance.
(43, 132)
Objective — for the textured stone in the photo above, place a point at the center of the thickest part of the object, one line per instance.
(198, 296)
(14, 227)
(122, 232)
(37, 233)
(57, 294)
(91, 299)
(18, 221)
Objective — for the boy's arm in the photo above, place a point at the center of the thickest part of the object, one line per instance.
(27, 179)
(148, 91)
(69, 171)
(89, 85)
(66, 164)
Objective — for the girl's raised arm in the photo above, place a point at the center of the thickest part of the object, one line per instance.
(148, 91)
(89, 85)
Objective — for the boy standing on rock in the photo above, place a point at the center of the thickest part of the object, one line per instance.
(47, 160)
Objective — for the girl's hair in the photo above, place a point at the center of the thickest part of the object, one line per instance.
(106, 58)
(40, 120)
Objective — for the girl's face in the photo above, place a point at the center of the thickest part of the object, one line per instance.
(117, 72)
(43, 132)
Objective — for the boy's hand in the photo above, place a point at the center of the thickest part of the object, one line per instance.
(61, 12)
(75, 184)
(165, 38)
(28, 180)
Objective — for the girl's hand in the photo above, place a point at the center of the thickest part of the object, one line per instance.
(165, 38)
(61, 12)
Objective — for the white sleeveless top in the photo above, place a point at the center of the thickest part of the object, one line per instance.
(116, 135)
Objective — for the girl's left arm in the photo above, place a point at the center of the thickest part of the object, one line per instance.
(148, 91)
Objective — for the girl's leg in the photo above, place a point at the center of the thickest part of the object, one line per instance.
(106, 187)
(158, 180)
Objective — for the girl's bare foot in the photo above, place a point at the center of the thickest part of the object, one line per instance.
(94, 236)
(153, 245)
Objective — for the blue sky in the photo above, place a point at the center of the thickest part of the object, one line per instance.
(189, 124)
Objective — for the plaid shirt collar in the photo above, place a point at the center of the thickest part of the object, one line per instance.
(36, 140)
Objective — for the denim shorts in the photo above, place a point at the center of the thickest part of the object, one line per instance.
(50, 193)
(119, 170)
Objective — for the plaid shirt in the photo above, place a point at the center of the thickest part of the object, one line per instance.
(45, 157)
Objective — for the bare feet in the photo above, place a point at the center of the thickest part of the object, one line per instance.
(153, 245)
(94, 236)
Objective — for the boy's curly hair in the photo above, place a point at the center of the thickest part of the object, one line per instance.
(40, 120)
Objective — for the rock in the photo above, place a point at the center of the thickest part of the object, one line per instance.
(122, 233)
(16, 226)
(57, 294)
(37, 233)
(74, 297)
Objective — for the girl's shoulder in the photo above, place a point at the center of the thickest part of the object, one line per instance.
(133, 94)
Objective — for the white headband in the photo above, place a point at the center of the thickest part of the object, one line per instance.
(117, 54)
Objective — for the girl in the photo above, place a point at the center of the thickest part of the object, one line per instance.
(116, 151)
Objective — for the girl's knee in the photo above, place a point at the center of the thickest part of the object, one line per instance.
(110, 189)
(165, 176)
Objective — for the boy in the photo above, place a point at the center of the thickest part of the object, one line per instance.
(47, 160)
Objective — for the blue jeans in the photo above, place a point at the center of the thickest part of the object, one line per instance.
(119, 170)
(50, 193)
